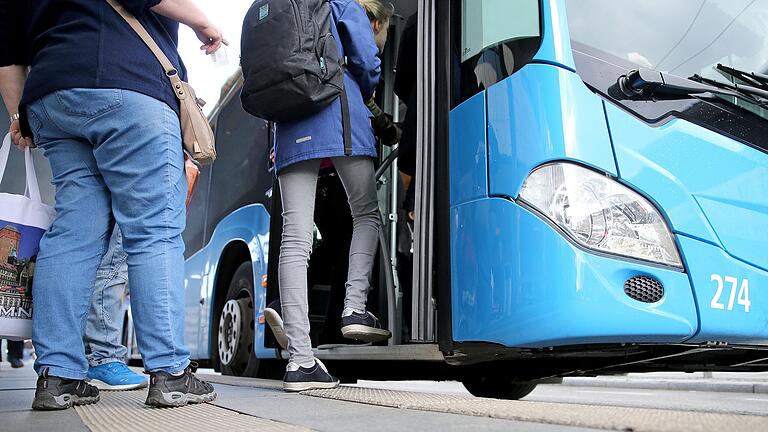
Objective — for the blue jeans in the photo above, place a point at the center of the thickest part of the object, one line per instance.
(116, 156)
(103, 331)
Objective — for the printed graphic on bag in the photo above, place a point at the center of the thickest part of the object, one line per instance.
(18, 254)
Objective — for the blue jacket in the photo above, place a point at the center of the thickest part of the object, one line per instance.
(320, 135)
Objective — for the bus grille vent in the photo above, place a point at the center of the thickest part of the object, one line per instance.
(644, 289)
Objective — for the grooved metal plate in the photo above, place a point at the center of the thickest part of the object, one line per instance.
(125, 411)
(588, 416)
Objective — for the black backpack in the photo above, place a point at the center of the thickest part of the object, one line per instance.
(291, 64)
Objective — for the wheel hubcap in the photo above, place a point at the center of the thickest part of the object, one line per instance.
(230, 329)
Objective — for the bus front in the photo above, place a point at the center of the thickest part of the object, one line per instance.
(613, 189)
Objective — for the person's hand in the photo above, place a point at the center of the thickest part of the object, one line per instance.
(17, 139)
(211, 37)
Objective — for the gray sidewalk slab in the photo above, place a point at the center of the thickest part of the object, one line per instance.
(735, 382)
(17, 388)
(345, 416)
(251, 405)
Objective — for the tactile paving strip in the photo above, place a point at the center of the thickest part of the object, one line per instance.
(125, 411)
(588, 416)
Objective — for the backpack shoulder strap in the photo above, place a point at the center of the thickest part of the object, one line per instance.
(170, 70)
(345, 116)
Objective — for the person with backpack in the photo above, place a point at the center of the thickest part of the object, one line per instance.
(110, 129)
(340, 130)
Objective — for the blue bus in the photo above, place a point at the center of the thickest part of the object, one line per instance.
(591, 198)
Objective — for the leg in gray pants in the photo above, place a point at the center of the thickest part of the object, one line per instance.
(297, 187)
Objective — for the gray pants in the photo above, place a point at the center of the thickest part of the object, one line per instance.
(298, 183)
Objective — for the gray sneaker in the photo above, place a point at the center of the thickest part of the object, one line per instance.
(166, 390)
(54, 393)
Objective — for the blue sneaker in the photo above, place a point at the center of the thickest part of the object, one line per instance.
(115, 376)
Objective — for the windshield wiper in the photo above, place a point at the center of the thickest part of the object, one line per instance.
(760, 95)
(754, 79)
(651, 84)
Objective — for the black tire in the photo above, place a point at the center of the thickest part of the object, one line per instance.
(236, 324)
(493, 387)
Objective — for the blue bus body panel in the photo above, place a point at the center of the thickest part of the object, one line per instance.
(249, 226)
(711, 187)
(555, 38)
(539, 114)
(468, 157)
(518, 282)
(722, 317)
(195, 288)
(714, 191)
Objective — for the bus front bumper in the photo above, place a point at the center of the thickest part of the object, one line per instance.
(517, 281)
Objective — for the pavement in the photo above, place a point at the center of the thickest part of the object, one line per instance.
(675, 400)
(735, 382)
(253, 404)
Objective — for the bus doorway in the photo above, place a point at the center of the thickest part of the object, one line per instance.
(397, 296)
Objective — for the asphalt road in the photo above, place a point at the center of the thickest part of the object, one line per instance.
(720, 402)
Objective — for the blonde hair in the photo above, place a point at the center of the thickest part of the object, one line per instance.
(378, 10)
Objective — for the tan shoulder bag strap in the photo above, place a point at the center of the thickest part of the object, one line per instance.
(170, 70)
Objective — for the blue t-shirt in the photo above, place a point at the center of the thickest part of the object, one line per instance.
(85, 43)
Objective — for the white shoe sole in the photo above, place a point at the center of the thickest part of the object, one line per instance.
(101, 385)
(364, 333)
(276, 324)
(309, 385)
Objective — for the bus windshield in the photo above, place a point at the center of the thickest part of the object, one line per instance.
(683, 38)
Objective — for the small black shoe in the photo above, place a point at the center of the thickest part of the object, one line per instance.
(54, 393)
(273, 315)
(299, 378)
(364, 327)
(16, 363)
(166, 390)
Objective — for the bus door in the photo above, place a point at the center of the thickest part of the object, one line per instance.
(328, 257)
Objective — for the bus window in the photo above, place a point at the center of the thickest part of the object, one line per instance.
(239, 176)
(194, 233)
(496, 38)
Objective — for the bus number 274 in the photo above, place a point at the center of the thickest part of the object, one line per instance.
(743, 295)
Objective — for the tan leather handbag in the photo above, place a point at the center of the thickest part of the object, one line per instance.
(196, 132)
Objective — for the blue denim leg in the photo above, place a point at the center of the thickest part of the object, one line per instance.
(70, 250)
(103, 332)
(112, 152)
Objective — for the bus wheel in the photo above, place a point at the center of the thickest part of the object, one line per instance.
(493, 387)
(236, 326)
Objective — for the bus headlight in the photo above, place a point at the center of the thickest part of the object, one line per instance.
(600, 213)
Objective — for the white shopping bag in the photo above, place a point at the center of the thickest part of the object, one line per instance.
(23, 221)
